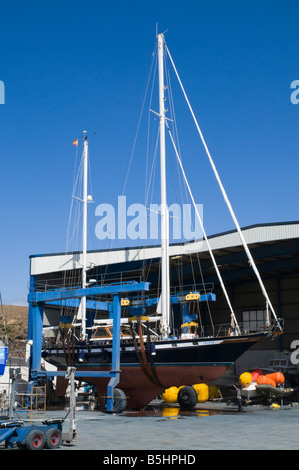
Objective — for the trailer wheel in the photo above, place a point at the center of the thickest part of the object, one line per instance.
(35, 440)
(187, 397)
(52, 438)
(119, 401)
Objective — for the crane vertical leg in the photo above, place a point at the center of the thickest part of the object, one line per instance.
(37, 312)
(116, 314)
(32, 287)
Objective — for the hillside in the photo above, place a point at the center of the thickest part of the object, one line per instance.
(16, 321)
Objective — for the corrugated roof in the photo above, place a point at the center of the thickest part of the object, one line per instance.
(254, 234)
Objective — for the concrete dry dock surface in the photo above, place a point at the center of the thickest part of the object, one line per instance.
(208, 427)
(254, 429)
(168, 429)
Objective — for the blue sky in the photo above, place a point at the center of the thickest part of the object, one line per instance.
(70, 66)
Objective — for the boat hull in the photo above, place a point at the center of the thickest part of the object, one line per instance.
(144, 374)
(139, 390)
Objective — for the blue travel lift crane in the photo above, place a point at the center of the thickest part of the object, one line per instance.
(37, 301)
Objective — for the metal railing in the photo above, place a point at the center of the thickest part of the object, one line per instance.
(246, 328)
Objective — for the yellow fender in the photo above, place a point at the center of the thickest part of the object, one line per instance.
(245, 379)
(170, 395)
(202, 391)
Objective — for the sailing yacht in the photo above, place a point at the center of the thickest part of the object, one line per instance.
(152, 360)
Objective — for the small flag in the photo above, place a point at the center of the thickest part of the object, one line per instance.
(75, 142)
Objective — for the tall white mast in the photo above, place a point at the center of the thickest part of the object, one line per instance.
(84, 234)
(165, 288)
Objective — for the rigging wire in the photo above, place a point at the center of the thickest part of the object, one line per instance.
(138, 126)
(205, 292)
(205, 236)
(71, 278)
(182, 184)
(251, 260)
(122, 192)
(147, 183)
(174, 127)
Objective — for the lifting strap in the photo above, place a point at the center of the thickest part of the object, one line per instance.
(152, 364)
(68, 354)
(142, 359)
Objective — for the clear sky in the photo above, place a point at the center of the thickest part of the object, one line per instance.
(70, 66)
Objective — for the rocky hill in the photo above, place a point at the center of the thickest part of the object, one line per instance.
(14, 327)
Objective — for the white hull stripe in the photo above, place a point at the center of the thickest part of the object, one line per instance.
(157, 347)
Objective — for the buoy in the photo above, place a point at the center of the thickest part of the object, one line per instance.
(202, 391)
(255, 375)
(245, 379)
(170, 395)
(277, 377)
(264, 380)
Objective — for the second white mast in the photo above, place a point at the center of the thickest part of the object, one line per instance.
(165, 288)
(84, 235)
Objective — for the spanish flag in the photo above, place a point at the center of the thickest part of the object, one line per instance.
(75, 142)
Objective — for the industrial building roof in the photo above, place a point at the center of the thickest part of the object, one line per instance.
(263, 240)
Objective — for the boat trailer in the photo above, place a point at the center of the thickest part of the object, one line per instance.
(31, 437)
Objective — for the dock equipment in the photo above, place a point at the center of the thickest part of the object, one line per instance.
(37, 301)
(33, 436)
